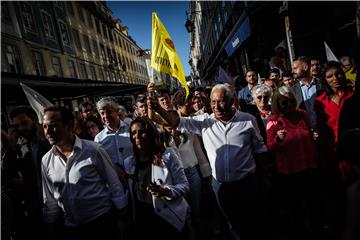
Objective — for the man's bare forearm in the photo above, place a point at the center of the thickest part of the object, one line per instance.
(171, 117)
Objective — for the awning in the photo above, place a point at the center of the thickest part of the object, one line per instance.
(239, 36)
(61, 88)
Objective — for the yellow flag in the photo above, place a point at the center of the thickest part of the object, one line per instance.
(164, 57)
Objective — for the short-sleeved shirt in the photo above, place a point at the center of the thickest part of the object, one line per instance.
(229, 147)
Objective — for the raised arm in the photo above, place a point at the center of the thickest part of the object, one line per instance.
(171, 117)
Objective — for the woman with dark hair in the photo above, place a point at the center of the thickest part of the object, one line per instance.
(158, 185)
(328, 106)
(333, 171)
(92, 127)
(290, 140)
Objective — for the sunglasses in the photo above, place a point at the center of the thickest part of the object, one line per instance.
(261, 97)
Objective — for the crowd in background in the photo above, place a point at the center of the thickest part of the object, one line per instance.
(257, 158)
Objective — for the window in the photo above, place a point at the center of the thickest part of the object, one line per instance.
(70, 8)
(103, 54)
(90, 22)
(76, 39)
(114, 56)
(122, 43)
(97, 24)
(112, 76)
(64, 33)
(102, 74)
(48, 25)
(5, 14)
(83, 71)
(59, 5)
(107, 75)
(81, 14)
(105, 31)
(39, 63)
(72, 69)
(27, 17)
(87, 43)
(57, 66)
(119, 41)
(12, 58)
(93, 73)
(110, 57)
(110, 36)
(95, 48)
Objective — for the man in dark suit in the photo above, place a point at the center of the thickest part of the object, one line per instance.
(26, 169)
(306, 89)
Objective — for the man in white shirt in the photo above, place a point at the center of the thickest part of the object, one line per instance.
(115, 137)
(80, 183)
(233, 142)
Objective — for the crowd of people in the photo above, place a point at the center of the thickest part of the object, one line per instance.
(274, 158)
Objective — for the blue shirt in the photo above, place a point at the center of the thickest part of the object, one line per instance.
(117, 144)
(245, 94)
(84, 187)
(309, 95)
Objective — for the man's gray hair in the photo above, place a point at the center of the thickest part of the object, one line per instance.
(122, 109)
(261, 89)
(107, 102)
(284, 90)
(220, 86)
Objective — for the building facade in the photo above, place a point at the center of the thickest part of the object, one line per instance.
(67, 51)
(78, 40)
(238, 35)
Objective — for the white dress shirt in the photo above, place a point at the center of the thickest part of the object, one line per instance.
(84, 187)
(117, 144)
(191, 153)
(229, 147)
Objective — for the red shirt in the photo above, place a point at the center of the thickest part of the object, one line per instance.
(328, 113)
(297, 151)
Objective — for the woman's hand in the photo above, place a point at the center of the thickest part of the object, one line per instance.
(158, 191)
(281, 134)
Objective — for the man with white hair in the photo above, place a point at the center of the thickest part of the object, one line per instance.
(115, 137)
(233, 144)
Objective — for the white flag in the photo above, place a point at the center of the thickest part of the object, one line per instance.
(224, 77)
(36, 100)
(330, 56)
(154, 76)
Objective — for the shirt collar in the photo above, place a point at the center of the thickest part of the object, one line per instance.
(77, 145)
(313, 82)
(122, 124)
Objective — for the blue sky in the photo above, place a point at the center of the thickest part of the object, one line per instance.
(137, 16)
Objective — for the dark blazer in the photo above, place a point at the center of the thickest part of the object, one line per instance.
(296, 90)
(253, 110)
(31, 171)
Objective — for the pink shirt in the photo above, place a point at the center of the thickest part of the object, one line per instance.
(297, 151)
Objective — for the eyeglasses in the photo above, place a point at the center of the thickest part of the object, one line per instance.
(261, 97)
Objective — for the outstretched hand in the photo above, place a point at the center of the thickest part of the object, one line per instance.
(151, 88)
(158, 191)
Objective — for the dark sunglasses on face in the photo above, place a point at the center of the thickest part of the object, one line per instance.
(261, 97)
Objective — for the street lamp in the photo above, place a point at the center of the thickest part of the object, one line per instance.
(189, 24)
